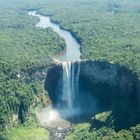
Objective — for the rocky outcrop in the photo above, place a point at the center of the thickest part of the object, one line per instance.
(35, 74)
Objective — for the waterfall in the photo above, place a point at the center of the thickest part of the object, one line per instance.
(70, 83)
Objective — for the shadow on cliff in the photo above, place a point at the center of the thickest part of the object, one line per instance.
(103, 88)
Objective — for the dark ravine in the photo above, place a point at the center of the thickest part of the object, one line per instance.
(102, 86)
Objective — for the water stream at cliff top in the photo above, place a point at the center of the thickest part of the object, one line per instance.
(72, 46)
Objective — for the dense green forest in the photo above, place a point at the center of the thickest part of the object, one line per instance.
(106, 29)
(22, 47)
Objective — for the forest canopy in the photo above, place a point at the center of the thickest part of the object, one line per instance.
(106, 30)
(22, 47)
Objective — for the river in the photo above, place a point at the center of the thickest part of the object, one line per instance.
(72, 46)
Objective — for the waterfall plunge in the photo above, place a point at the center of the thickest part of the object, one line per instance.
(70, 83)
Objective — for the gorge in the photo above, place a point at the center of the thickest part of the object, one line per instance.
(69, 70)
(102, 86)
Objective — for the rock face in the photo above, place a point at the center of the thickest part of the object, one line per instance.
(102, 86)
(99, 72)
(109, 76)
(35, 74)
(53, 83)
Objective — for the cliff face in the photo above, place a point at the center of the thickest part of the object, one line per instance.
(99, 72)
(102, 86)
(53, 83)
(114, 76)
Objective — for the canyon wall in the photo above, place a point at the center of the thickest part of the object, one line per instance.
(102, 86)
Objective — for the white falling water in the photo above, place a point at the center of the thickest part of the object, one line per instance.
(70, 82)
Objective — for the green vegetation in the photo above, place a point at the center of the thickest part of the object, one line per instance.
(81, 131)
(28, 47)
(29, 131)
(89, 131)
(106, 30)
(28, 134)
(23, 48)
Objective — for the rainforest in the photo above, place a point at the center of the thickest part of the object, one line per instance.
(69, 70)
